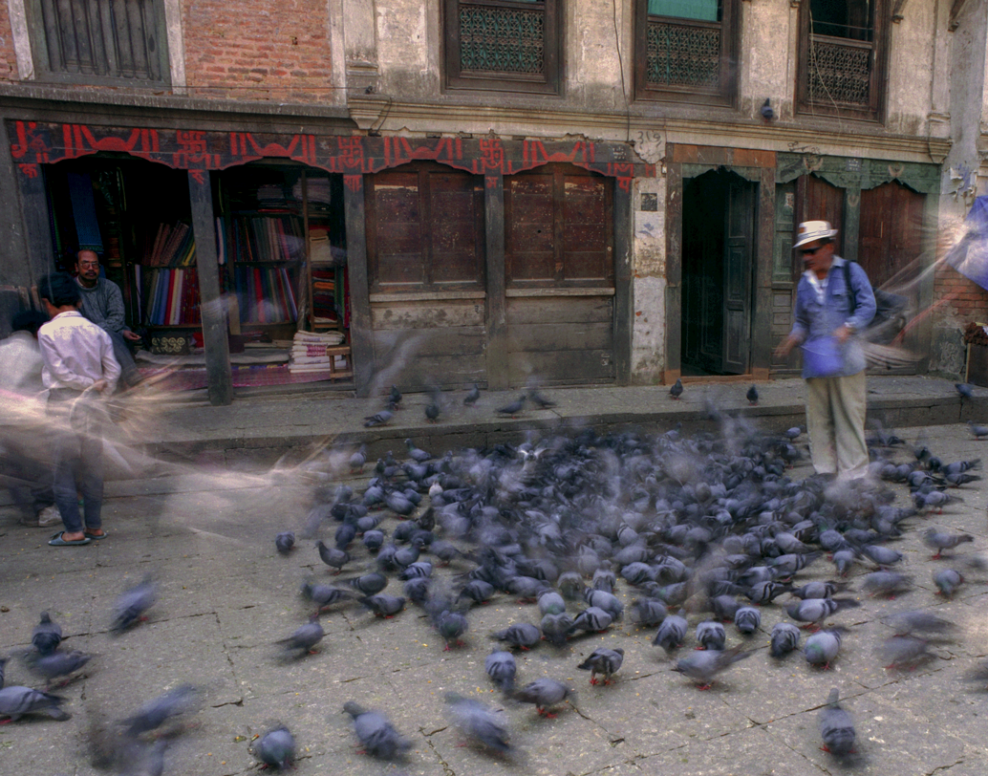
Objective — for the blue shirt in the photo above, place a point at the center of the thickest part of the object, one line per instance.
(821, 319)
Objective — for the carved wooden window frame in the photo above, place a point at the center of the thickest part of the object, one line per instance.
(725, 93)
(878, 63)
(549, 81)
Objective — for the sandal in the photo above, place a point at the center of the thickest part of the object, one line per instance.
(97, 537)
(57, 541)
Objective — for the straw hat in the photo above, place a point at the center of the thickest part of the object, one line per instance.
(811, 231)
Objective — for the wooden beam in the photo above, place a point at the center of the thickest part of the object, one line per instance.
(624, 314)
(361, 342)
(497, 330)
(215, 336)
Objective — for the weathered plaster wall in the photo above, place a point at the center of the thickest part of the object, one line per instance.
(910, 73)
(649, 285)
(8, 56)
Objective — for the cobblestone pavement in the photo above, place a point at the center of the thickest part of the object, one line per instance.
(226, 596)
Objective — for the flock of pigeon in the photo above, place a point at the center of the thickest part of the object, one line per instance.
(707, 526)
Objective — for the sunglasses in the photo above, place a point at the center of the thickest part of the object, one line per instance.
(810, 251)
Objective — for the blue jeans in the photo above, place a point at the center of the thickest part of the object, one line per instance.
(78, 458)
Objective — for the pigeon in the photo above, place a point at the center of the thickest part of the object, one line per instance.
(471, 398)
(593, 619)
(551, 602)
(556, 628)
(368, 584)
(358, 459)
(132, 604)
(606, 601)
(822, 648)
(900, 652)
(47, 635)
(918, 621)
(378, 418)
(702, 667)
(333, 557)
(377, 736)
(417, 590)
(513, 408)
(965, 390)
(305, 637)
(947, 581)
(784, 639)
(417, 454)
(887, 583)
(752, 396)
(57, 664)
(481, 727)
(451, 625)
(432, 409)
(478, 591)
(276, 748)
(540, 401)
(977, 674)
(747, 620)
(155, 713)
(3, 666)
(882, 556)
(324, 595)
(522, 635)
(816, 589)
(15, 701)
(978, 432)
(386, 606)
(603, 661)
(284, 542)
(543, 693)
(792, 434)
(394, 397)
(677, 389)
(647, 612)
(766, 110)
(940, 541)
(501, 668)
(671, 633)
(813, 611)
(710, 635)
(836, 727)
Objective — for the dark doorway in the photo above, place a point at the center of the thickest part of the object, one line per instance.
(718, 239)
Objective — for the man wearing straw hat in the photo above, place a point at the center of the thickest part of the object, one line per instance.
(829, 314)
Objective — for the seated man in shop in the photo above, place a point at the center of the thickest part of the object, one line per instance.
(102, 303)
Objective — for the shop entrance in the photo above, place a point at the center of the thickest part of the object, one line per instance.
(718, 239)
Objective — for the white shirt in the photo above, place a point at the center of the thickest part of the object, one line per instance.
(76, 353)
(21, 363)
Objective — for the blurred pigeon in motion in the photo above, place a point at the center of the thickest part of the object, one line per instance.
(887, 583)
(57, 664)
(836, 727)
(603, 661)
(978, 674)
(416, 453)
(276, 748)
(183, 699)
(305, 637)
(324, 596)
(394, 397)
(521, 635)
(544, 693)
(376, 734)
(539, 400)
(978, 432)
(284, 542)
(47, 635)
(434, 406)
(941, 540)
(501, 668)
(947, 581)
(593, 619)
(766, 110)
(385, 606)
(358, 459)
(471, 398)
(677, 389)
(333, 557)
(882, 556)
(513, 408)
(817, 589)
(378, 418)
(368, 584)
(964, 390)
(821, 648)
(17, 701)
(784, 639)
(702, 667)
(132, 604)
(792, 434)
(647, 612)
(672, 632)
(556, 628)
(451, 625)
(479, 725)
(813, 611)
(907, 652)
(752, 396)
(918, 621)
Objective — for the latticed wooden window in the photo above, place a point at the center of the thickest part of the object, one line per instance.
(507, 45)
(842, 56)
(99, 41)
(685, 50)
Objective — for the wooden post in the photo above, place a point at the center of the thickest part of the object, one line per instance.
(214, 326)
(674, 271)
(624, 314)
(497, 328)
(361, 342)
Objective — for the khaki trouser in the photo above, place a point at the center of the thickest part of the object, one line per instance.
(835, 418)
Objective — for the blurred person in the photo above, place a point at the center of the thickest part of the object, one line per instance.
(102, 303)
(25, 466)
(834, 301)
(79, 366)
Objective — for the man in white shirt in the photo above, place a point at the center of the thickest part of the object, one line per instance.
(79, 365)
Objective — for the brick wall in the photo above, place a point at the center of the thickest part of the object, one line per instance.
(958, 298)
(8, 60)
(257, 50)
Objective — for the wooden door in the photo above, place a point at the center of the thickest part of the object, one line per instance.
(737, 277)
(817, 200)
(890, 239)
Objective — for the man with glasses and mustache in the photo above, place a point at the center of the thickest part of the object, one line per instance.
(834, 301)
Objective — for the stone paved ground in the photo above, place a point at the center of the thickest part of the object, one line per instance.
(226, 596)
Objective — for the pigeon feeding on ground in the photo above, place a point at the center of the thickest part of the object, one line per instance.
(784, 639)
(540, 401)
(17, 701)
(703, 666)
(543, 693)
(603, 661)
(941, 540)
(376, 734)
(947, 581)
(57, 664)
(324, 596)
(821, 648)
(710, 635)
(513, 408)
(305, 637)
(522, 635)
(433, 408)
(333, 557)
(479, 725)
(672, 632)
(47, 635)
(501, 668)
(358, 459)
(813, 611)
(132, 604)
(385, 606)
(378, 418)
(284, 542)
(276, 748)
(836, 727)
(978, 432)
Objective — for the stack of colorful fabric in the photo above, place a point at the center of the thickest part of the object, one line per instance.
(309, 350)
